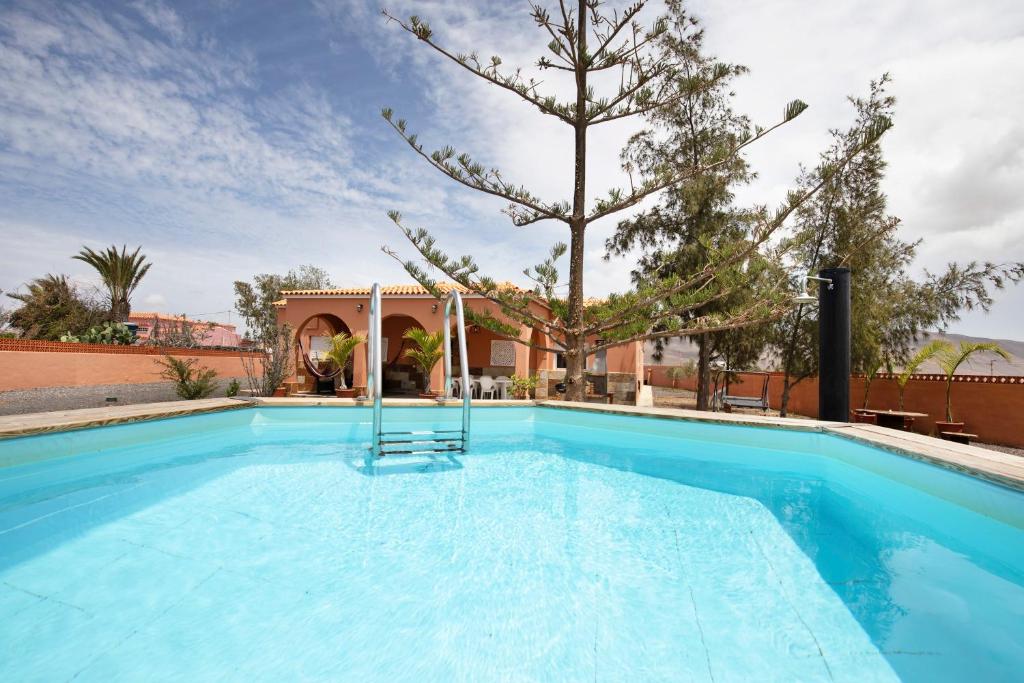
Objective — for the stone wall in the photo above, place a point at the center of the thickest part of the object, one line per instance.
(622, 386)
(43, 399)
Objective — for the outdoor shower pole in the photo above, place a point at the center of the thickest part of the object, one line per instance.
(834, 345)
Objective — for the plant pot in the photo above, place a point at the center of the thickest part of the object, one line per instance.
(429, 394)
(345, 393)
(949, 427)
(280, 392)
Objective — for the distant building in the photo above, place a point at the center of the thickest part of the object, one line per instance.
(161, 326)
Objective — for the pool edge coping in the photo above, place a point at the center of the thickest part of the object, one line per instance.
(992, 466)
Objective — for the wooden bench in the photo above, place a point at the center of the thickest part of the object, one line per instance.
(958, 437)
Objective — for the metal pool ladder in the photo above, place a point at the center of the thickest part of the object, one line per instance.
(426, 441)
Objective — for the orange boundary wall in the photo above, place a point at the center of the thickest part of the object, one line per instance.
(40, 346)
(990, 406)
(39, 366)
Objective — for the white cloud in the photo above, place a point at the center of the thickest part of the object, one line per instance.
(134, 126)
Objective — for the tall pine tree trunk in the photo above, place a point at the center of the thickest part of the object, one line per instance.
(576, 354)
(786, 386)
(703, 372)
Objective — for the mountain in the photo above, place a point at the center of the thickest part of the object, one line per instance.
(678, 352)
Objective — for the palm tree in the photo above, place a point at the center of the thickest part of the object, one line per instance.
(953, 357)
(429, 350)
(925, 353)
(342, 346)
(121, 273)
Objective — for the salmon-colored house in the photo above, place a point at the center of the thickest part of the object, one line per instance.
(316, 315)
(206, 332)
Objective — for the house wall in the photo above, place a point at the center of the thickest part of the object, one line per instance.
(300, 312)
(991, 406)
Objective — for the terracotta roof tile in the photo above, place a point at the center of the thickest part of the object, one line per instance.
(147, 316)
(385, 290)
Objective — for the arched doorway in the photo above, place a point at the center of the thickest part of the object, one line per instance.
(313, 338)
(401, 377)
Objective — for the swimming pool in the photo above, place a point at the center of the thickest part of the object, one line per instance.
(566, 545)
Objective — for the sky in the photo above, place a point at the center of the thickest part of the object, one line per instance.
(232, 137)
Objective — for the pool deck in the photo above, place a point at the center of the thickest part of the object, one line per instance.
(1001, 468)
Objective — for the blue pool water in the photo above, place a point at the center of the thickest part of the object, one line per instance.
(252, 545)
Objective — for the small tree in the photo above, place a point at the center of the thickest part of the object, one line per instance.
(182, 333)
(342, 346)
(190, 382)
(952, 357)
(428, 351)
(120, 272)
(870, 374)
(255, 302)
(926, 353)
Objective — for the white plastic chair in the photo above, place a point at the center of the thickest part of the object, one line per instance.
(488, 388)
(456, 387)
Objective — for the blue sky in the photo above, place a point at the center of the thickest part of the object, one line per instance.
(236, 137)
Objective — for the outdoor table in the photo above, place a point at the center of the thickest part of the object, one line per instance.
(502, 384)
(894, 419)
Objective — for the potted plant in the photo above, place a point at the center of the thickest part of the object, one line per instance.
(950, 359)
(339, 353)
(925, 353)
(428, 350)
(522, 386)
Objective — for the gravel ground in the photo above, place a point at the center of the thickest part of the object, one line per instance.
(665, 397)
(1002, 449)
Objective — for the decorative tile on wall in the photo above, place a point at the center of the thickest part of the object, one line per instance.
(503, 353)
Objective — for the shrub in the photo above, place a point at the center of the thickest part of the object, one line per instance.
(233, 388)
(117, 334)
(522, 386)
(190, 382)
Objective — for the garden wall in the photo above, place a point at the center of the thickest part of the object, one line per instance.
(39, 375)
(991, 406)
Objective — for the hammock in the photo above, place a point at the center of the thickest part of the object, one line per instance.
(312, 367)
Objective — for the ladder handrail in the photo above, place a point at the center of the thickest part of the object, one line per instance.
(374, 382)
(467, 389)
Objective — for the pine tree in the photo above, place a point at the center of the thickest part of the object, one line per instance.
(847, 225)
(590, 43)
(675, 235)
